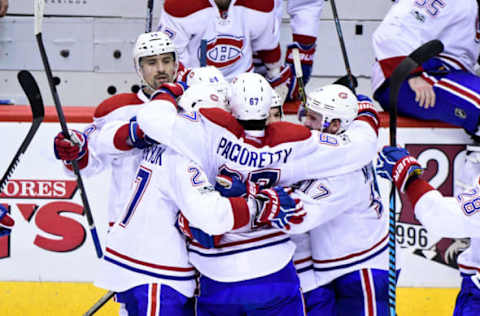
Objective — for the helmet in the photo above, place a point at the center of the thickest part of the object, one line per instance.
(151, 44)
(276, 101)
(208, 75)
(202, 96)
(250, 97)
(333, 101)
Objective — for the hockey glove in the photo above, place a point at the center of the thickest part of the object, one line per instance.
(6, 221)
(278, 208)
(234, 187)
(396, 164)
(192, 233)
(306, 52)
(136, 137)
(74, 149)
(173, 90)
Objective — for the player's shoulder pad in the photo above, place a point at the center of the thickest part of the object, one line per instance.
(285, 132)
(224, 119)
(183, 8)
(117, 101)
(257, 5)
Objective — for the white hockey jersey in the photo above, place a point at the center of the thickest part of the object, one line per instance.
(410, 23)
(348, 228)
(103, 153)
(144, 246)
(285, 154)
(455, 217)
(304, 15)
(231, 35)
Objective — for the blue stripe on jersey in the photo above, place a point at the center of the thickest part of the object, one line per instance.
(352, 263)
(310, 267)
(156, 275)
(239, 250)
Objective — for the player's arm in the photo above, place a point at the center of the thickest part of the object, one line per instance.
(202, 206)
(444, 216)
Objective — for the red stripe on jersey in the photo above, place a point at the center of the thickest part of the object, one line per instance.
(304, 39)
(416, 189)
(223, 119)
(121, 136)
(302, 260)
(258, 5)
(284, 132)
(353, 254)
(368, 292)
(370, 120)
(270, 56)
(241, 242)
(241, 213)
(183, 8)
(388, 65)
(465, 267)
(148, 264)
(117, 101)
(154, 300)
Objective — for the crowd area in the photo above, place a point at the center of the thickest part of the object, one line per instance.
(219, 207)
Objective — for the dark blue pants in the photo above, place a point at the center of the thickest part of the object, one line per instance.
(468, 300)
(275, 294)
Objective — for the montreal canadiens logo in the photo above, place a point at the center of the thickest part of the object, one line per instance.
(224, 50)
(343, 95)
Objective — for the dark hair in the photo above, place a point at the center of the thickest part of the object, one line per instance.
(253, 125)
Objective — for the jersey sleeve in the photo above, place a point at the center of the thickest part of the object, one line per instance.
(266, 32)
(448, 216)
(204, 207)
(305, 16)
(184, 133)
(325, 155)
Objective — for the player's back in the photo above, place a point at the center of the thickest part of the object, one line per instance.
(356, 237)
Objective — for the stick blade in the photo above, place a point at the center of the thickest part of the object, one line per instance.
(30, 87)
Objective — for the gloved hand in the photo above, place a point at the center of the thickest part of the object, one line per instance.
(234, 187)
(278, 208)
(73, 149)
(192, 233)
(396, 164)
(174, 90)
(306, 52)
(6, 221)
(136, 137)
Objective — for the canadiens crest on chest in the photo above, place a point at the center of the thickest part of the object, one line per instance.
(224, 50)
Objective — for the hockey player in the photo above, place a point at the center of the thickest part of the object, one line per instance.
(276, 110)
(241, 145)
(347, 228)
(146, 261)
(233, 29)
(341, 256)
(455, 217)
(156, 63)
(445, 87)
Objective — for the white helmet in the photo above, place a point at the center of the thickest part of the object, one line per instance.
(250, 97)
(277, 101)
(151, 44)
(202, 96)
(333, 101)
(208, 75)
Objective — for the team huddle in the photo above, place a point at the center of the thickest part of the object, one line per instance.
(219, 207)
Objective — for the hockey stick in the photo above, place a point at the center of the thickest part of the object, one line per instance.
(39, 8)
(299, 74)
(401, 72)
(342, 46)
(104, 299)
(30, 87)
(149, 19)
